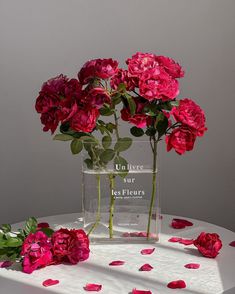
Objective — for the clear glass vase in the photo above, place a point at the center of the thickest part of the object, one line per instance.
(120, 196)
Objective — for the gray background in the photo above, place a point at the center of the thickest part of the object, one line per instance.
(39, 39)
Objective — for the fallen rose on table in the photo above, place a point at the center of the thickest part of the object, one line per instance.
(37, 245)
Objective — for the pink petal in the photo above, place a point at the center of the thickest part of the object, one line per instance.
(192, 265)
(117, 262)
(232, 244)
(177, 225)
(134, 234)
(50, 282)
(186, 241)
(147, 251)
(135, 291)
(175, 239)
(92, 287)
(4, 264)
(126, 234)
(146, 267)
(43, 225)
(179, 284)
(142, 234)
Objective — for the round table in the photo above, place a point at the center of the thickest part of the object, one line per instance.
(168, 260)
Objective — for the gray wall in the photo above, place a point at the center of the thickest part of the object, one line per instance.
(39, 39)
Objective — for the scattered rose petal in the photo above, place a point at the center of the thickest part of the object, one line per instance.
(192, 265)
(142, 234)
(186, 241)
(93, 287)
(147, 251)
(179, 284)
(50, 282)
(4, 264)
(178, 223)
(43, 225)
(135, 291)
(126, 234)
(134, 234)
(174, 239)
(232, 244)
(117, 262)
(145, 268)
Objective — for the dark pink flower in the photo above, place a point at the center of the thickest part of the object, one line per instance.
(42, 225)
(232, 244)
(190, 114)
(192, 265)
(92, 287)
(50, 120)
(181, 139)
(96, 97)
(50, 282)
(84, 120)
(36, 252)
(170, 66)
(97, 68)
(186, 242)
(135, 291)
(116, 263)
(146, 267)
(70, 246)
(179, 223)
(123, 77)
(147, 251)
(5, 264)
(174, 239)
(208, 244)
(179, 284)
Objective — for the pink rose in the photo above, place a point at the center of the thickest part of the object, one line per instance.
(181, 139)
(190, 114)
(208, 244)
(140, 62)
(97, 68)
(70, 246)
(170, 66)
(84, 120)
(97, 97)
(157, 84)
(123, 77)
(36, 252)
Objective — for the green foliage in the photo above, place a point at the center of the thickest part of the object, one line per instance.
(63, 137)
(123, 144)
(5, 228)
(106, 142)
(30, 225)
(137, 132)
(106, 111)
(76, 146)
(89, 163)
(123, 163)
(107, 155)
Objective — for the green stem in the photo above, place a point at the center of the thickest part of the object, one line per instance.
(154, 186)
(98, 208)
(112, 201)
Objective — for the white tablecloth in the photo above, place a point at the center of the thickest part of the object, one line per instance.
(214, 275)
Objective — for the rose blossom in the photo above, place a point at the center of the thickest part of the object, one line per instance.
(208, 244)
(97, 68)
(123, 77)
(50, 120)
(70, 246)
(181, 139)
(36, 252)
(84, 120)
(171, 67)
(190, 114)
(97, 97)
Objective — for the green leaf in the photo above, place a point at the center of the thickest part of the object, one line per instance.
(63, 137)
(5, 228)
(106, 111)
(106, 142)
(14, 242)
(107, 155)
(47, 231)
(30, 225)
(151, 131)
(89, 163)
(151, 109)
(76, 146)
(175, 103)
(110, 127)
(123, 144)
(131, 104)
(137, 132)
(120, 165)
(162, 126)
(121, 87)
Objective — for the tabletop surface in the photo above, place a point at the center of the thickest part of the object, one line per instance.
(168, 260)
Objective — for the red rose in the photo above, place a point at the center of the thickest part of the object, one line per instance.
(208, 244)
(84, 120)
(97, 97)
(157, 84)
(123, 77)
(140, 62)
(36, 252)
(170, 66)
(181, 139)
(50, 120)
(97, 68)
(190, 114)
(70, 246)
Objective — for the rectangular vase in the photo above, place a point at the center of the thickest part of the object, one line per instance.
(121, 195)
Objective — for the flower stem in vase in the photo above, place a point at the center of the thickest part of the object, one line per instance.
(154, 186)
(112, 202)
(98, 206)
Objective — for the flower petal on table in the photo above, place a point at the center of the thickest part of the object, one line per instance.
(179, 284)
(147, 251)
(192, 265)
(42, 225)
(50, 282)
(145, 268)
(135, 291)
(5, 264)
(186, 241)
(93, 287)
(117, 262)
(174, 239)
(232, 244)
(126, 234)
(178, 223)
